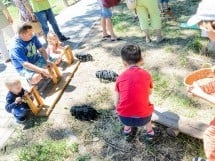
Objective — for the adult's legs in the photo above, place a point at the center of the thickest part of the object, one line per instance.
(110, 28)
(104, 29)
(43, 19)
(53, 22)
(3, 47)
(155, 18)
(143, 16)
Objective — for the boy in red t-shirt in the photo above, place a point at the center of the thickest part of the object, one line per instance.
(133, 88)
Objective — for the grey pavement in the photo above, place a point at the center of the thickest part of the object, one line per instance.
(75, 22)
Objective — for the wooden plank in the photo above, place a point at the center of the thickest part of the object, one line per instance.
(54, 92)
(187, 126)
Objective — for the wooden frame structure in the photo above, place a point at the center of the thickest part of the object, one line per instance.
(43, 105)
(69, 55)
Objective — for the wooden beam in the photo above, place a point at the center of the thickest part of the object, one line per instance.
(187, 126)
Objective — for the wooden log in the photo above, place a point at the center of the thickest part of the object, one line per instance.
(187, 126)
(172, 132)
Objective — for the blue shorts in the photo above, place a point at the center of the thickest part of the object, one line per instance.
(164, 1)
(134, 121)
(28, 74)
(106, 12)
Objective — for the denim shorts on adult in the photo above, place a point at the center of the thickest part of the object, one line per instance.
(28, 74)
(135, 121)
(164, 1)
(106, 12)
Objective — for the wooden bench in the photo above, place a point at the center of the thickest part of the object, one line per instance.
(176, 123)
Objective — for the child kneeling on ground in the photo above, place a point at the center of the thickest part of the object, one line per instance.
(133, 88)
(14, 101)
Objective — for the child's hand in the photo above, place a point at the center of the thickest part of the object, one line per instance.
(196, 90)
(18, 100)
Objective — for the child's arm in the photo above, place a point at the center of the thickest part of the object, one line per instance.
(116, 101)
(197, 91)
(10, 104)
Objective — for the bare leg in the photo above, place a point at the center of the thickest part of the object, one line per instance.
(149, 127)
(148, 39)
(110, 28)
(127, 129)
(159, 35)
(104, 29)
(36, 78)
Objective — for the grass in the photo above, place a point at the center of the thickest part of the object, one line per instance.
(48, 150)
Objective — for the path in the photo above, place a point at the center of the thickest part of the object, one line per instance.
(75, 22)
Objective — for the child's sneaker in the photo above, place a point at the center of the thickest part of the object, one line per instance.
(198, 159)
(131, 135)
(21, 120)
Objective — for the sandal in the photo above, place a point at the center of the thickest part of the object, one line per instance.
(116, 39)
(106, 37)
(131, 135)
(149, 138)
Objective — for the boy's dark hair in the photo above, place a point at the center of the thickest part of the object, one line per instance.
(131, 54)
(23, 28)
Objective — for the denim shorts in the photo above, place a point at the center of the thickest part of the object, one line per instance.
(135, 121)
(106, 12)
(164, 1)
(28, 74)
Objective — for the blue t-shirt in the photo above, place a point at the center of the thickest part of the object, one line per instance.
(24, 51)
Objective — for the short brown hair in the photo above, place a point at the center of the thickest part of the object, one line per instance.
(23, 28)
(131, 54)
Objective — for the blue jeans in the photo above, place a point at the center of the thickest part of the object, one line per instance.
(20, 111)
(44, 17)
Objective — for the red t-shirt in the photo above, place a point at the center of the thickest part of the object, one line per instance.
(133, 87)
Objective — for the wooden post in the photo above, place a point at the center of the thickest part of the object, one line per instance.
(55, 73)
(69, 55)
(35, 108)
(37, 96)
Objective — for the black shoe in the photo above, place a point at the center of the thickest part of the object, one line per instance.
(108, 75)
(63, 38)
(7, 61)
(131, 135)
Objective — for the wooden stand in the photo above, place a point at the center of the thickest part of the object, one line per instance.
(69, 55)
(36, 104)
(55, 73)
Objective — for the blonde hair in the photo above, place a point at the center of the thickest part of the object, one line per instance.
(9, 82)
(51, 35)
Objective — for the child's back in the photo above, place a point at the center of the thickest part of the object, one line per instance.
(134, 86)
